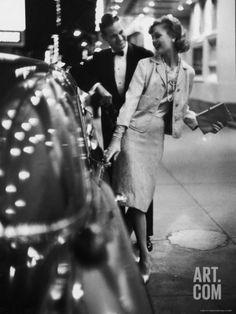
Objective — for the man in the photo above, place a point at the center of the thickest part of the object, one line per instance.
(108, 74)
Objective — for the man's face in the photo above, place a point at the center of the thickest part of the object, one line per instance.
(115, 36)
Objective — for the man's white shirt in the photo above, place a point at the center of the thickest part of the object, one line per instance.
(120, 65)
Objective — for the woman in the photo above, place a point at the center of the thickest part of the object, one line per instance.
(156, 103)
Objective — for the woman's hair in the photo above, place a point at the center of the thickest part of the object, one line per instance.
(175, 29)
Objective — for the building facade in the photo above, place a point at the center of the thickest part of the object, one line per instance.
(212, 31)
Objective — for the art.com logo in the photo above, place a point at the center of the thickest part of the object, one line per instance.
(206, 284)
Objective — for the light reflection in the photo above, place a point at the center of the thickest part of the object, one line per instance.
(11, 113)
(151, 4)
(29, 84)
(13, 245)
(23, 175)
(34, 257)
(51, 131)
(51, 101)
(38, 93)
(15, 151)
(35, 100)
(77, 291)
(32, 263)
(61, 240)
(32, 253)
(33, 121)
(98, 43)
(146, 9)
(46, 92)
(84, 44)
(76, 33)
(40, 137)
(81, 142)
(49, 143)
(20, 203)
(24, 71)
(97, 49)
(10, 188)
(94, 144)
(26, 126)
(33, 140)
(2, 172)
(62, 268)
(1, 230)
(56, 291)
(19, 135)
(114, 12)
(89, 128)
(115, 7)
(10, 211)
(180, 7)
(6, 124)
(12, 272)
(28, 149)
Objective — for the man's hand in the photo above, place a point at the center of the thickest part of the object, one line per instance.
(106, 97)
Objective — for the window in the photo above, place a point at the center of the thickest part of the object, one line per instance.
(212, 63)
(214, 14)
(197, 60)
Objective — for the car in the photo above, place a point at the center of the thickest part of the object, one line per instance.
(63, 244)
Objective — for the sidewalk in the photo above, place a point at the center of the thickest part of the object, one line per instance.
(195, 225)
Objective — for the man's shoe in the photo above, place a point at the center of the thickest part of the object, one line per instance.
(149, 244)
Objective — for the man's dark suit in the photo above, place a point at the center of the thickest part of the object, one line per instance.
(101, 69)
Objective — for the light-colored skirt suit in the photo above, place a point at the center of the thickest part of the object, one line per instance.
(136, 168)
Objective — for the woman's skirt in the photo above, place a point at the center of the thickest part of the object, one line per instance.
(136, 168)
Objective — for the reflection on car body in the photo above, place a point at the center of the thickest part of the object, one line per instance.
(63, 245)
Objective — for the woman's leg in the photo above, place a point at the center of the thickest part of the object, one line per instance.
(127, 219)
(140, 230)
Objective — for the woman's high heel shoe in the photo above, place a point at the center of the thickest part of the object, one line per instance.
(145, 278)
(145, 271)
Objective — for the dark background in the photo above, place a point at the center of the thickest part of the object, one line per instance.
(41, 24)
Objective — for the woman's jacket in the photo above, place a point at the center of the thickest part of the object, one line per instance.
(146, 90)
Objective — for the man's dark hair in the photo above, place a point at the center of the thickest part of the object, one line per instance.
(107, 20)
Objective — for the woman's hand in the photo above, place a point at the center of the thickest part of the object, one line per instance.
(217, 127)
(213, 128)
(113, 149)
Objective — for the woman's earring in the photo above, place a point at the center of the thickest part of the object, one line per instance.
(173, 40)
